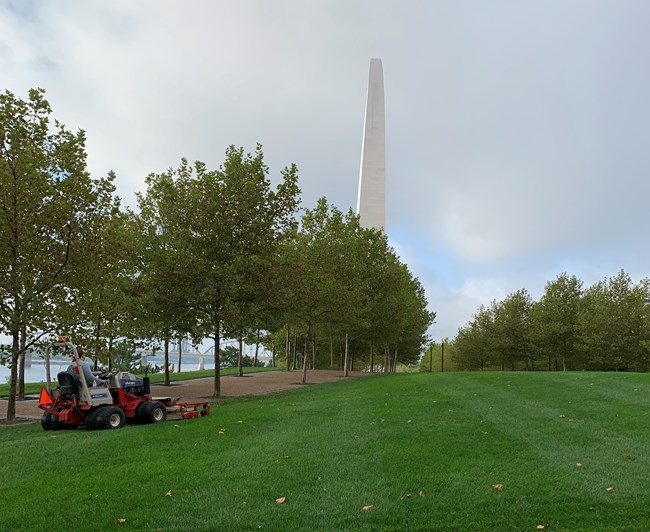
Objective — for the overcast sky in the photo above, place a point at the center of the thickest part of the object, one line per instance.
(517, 132)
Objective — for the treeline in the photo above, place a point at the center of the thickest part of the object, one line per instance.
(605, 327)
(208, 253)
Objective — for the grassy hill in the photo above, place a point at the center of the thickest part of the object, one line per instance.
(453, 451)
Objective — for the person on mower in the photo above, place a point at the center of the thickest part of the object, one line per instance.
(84, 367)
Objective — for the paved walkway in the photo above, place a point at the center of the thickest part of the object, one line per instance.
(197, 390)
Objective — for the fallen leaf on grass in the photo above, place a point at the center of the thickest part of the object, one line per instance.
(281, 500)
(562, 416)
(410, 421)
(121, 521)
(497, 487)
(168, 494)
(610, 489)
(578, 464)
(421, 494)
(355, 437)
(540, 527)
(592, 508)
(222, 432)
(176, 426)
(240, 422)
(368, 508)
(406, 496)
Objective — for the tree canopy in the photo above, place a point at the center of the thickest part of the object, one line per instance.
(207, 253)
(605, 327)
(52, 217)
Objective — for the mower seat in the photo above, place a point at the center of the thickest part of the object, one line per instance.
(68, 384)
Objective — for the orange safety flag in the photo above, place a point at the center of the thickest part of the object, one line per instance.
(45, 398)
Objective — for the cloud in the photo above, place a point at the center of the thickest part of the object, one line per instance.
(516, 132)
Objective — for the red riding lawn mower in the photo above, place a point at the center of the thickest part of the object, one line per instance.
(123, 397)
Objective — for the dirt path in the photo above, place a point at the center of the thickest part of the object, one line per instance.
(195, 390)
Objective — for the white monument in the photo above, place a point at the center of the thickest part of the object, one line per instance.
(371, 205)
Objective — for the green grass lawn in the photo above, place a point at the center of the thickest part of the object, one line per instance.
(424, 450)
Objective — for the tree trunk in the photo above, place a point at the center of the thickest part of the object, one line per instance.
(48, 371)
(331, 354)
(217, 363)
(240, 359)
(372, 358)
(21, 367)
(273, 355)
(345, 363)
(166, 358)
(288, 349)
(15, 355)
(313, 353)
(304, 360)
(257, 348)
(180, 352)
(295, 344)
(110, 354)
(386, 359)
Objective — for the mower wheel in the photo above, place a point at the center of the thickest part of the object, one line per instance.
(141, 413)
(153, 412)
(45, 421)
(110, 417)
(91, 420)
(56, 423)
(51, 422)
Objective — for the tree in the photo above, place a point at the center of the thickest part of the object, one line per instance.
(554, 321)
(49, 211)
(223, 228)
(475, 342)
(512, 328)
(102, 300)
(614, 324)
(348, 287)
(163, 309)
(334, 276)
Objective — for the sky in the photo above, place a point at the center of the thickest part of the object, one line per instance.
(517, 133)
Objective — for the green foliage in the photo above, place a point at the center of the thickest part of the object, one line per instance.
(427, 450)
(209, 253)
(230, 358)
(606, 327)
(434, 360)
(348, 292)
(52, 219)
(125, 358)
(554, 322)
(213, 233)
